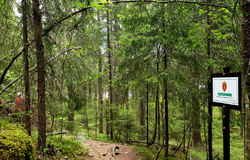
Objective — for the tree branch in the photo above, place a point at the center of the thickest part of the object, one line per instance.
(32, 69)
(46, 31)
(172, 1)
(12, 61)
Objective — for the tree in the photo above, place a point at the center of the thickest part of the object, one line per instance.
(38, 30)
(100, 92)
(210, 109)
(100, 83)
(26, 68)
(165, 85)
(110, 76)
(71, 108)
(246, 79)
(196, 135)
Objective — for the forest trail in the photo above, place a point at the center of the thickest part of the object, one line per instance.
(99, 150)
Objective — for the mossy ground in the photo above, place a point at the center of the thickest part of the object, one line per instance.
(15, 143)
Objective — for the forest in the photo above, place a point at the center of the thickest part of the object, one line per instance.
(122, 79)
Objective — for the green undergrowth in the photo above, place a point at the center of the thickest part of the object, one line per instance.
(150, 153)
(145, 153)
(65, 148)
(236, 141)
(15, 143)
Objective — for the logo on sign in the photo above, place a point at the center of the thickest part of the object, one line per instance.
(224, 86)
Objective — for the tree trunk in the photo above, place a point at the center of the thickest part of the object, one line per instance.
(142, 117)
(110, 78)
(100, 95)
(156, 115)
(85, 109)
(38, 30)
(209, 89)
(246, 78)
(71, 109)
(26, 69)
(158, 97)
(165, 85)
(96, 109)
(147, 87)
(196, 134)
(142, 111)
(184, 124)
(166, 104)
(247, 120)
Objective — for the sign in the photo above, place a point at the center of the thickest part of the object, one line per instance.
(226, 90)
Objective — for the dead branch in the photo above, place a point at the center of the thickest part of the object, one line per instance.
(34, 69)
(158, 153)
(182, 139)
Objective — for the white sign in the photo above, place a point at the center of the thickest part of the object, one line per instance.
(226, 90)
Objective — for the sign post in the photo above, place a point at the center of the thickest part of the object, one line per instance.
(226, 93)
(226, 123)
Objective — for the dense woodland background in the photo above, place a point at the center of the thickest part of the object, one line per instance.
(134, 72)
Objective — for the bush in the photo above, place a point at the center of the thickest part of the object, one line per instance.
(15, 143)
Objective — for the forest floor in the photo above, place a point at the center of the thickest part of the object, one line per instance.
(99, 150)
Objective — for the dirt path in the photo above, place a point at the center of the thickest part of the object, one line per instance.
(105, 151)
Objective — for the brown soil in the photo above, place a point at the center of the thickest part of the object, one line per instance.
(105, 151)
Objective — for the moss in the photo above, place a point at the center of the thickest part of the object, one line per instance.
(15, 143)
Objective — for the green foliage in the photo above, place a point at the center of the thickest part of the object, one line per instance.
(67, 146)
(15, 143)
(146, 153)
(149, 153)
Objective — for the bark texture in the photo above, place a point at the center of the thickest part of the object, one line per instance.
(196, 135)
(26, 68)
(246, 79)
(142, 111)
(110, 78)
(210, 108)
(100, 95)
(38, 30)
(165, 85)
